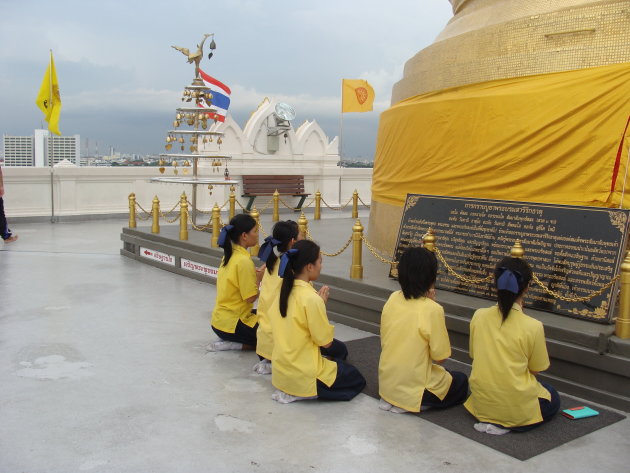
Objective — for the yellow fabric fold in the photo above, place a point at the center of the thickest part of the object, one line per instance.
(49, 99)
(550, 138)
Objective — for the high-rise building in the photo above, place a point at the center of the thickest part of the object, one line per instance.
(18, 151)
(42, 148)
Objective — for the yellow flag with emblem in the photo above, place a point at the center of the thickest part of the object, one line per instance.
(49, 99)
(356, 96)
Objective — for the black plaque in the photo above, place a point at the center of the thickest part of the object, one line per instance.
(573, 250)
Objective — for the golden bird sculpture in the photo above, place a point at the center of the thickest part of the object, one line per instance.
(197, 55)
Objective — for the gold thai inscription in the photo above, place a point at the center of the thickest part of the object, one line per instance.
(473, 235)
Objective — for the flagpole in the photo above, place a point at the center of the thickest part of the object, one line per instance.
(51, 147)
(340, 138)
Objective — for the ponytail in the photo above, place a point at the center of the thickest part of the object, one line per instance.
(282, 234)
(230, 234)
(512, 276)
(292, 263)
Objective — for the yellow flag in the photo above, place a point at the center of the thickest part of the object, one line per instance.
(48, 99)
(356, 96)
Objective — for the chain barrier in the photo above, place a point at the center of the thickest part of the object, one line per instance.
(163, 215)
(262, 230)
(375, 253)
(202, 228)
(556, 295)
(364, 204)
(148, 214)
(488, 278)
(336, 253)
(295, 208)
(337, 208)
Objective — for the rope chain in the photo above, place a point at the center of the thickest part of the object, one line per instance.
(337, 253)
(337, 208)
(375, 253)
(202, 228)
(170, 221)
(295, 208)
(364, 204)
(556, 295)
(147, 213)
(265, 234)
(459, 276)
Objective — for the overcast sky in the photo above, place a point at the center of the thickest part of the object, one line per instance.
(120, 80)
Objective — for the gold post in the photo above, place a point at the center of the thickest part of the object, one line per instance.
(428, 240)
(256, 216)
(132, 210)
(276, 212)
(183, 217)
(216, 226)
(318, 205)
(303, 225)
(622, 326)
(517, 250)
(232, 202)
(355, 204)
(356, 270)
(155, 211)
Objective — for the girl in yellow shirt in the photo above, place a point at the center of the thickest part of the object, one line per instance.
(233, 318)
(282, 238)
(508, 350)
(307, 360)
(414, 342)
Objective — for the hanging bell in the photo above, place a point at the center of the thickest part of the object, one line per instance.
(181, 139)
(174, 163)
(219, 141)
(176, 171)
(168, 146)
(185, 170)
(161, 170)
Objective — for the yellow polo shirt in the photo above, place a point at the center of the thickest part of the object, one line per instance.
(236, 282)
(297, 361)
(503, 390)
(413, 334)
(267, 305)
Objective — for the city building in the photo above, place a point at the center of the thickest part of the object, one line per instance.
(40, 149)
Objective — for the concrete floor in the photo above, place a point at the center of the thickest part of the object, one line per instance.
(103, 369)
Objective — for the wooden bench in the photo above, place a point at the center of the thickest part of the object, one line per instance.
(266, 185)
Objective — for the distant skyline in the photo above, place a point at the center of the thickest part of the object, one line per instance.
(121, 81)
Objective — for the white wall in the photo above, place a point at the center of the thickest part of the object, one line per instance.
(105, 190)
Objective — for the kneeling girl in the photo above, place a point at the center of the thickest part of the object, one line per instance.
(508, 349)
(233, 319)
(282, 238)
(302, 330)
(415, 342)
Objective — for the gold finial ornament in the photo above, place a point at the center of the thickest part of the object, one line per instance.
(183, 217)
(276, 212)
(355, 204)
(256, 216)
(303, 225)
(197, 56)
(132, 210)
(429, 239)
(216, 226)
(356, 270)
(155, 213)
(517, 250)
(622, 325)
(232, 202)
(318, 205)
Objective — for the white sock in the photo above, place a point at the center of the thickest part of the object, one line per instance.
(490, 429)
(224, 345)
(386, 406)
(284, 398)
(263, 367)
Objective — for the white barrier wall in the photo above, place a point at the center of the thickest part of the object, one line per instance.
(105, 190)
(303, 151)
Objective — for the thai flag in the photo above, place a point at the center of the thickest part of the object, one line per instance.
(220, 96)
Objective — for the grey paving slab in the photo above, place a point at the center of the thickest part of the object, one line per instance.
(103, 369)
